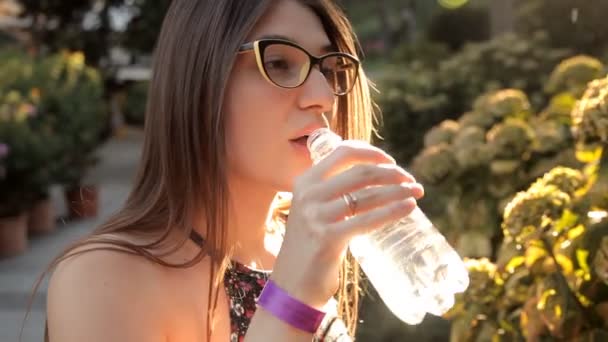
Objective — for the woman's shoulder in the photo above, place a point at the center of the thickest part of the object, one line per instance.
(94, 263)
(101, 290)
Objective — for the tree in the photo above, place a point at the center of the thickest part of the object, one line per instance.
(502, 16)
(71, 24)
(142, 31)
(576, 24)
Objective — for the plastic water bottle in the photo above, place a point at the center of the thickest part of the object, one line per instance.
(409, 262)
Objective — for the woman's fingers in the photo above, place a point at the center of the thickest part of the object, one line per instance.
(368, 199)
(361, 176)
(381, 189)
(371, 220)
(346, 155)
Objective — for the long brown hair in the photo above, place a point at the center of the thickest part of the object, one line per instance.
(184, 147)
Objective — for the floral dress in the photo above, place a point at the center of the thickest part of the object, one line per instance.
(243, 287)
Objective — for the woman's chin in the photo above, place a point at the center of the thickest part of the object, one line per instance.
(286, 184)
(285, 187)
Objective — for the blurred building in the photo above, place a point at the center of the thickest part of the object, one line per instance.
(8, 9)
(11, 25)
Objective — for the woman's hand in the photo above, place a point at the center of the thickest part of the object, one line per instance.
(320, 224)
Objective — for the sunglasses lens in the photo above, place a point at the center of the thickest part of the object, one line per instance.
(285, 65)
(340, 72)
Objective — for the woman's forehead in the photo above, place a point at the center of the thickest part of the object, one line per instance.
(291, 20)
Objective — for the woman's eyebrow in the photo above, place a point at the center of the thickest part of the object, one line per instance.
(324, 49)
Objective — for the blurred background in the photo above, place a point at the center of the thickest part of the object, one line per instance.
(499, 107)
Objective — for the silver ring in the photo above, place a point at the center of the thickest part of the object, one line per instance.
(351, 203)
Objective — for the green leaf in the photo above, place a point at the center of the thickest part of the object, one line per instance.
(582, 256)
(588, 154)
(576, 232)
(534, 254)
(564, 100)
(567, 220)
(546, 294)
(565, 263)
(514, 263)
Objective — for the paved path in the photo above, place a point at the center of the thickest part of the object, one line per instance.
(119, 158)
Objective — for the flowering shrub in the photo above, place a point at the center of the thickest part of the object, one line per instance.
(500, 147)
(72, 97)
(590, 117)
(573, 74)
(549, 282)
(550, 279)
(69, 100)
(418, 95)
(27, 152)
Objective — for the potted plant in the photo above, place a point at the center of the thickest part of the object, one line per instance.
(21, 73)
(17, 142)
(45, 155)
(72, 98)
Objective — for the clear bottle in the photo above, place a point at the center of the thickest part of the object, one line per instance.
(409, 262)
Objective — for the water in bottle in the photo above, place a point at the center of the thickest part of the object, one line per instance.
(409, 262)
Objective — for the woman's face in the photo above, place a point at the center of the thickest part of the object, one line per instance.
(263, 119)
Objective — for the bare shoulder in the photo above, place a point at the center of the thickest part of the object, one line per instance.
(105, 295)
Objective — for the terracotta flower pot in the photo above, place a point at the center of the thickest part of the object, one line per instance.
(41, 217)
(13, 235)
(82, 202)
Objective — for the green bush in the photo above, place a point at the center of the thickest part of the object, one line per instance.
(70, 105)
(410, 105)
(452, 27)
(590, 129)
(590, 117)
(423, 52)
(420, 95)
(480, 161)
(508, 61)
(573, 74)
(575, 24)
(135, 104)
(550, 280)
(493, 151)
(72, 98)
(16, 70)
(28, 153)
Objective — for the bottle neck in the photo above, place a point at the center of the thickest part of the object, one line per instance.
(321, 143)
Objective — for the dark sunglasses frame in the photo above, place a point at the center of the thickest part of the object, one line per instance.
(259, 46)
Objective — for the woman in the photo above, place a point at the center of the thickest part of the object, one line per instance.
(236, 90)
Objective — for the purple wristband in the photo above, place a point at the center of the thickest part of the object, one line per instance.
(288, 309)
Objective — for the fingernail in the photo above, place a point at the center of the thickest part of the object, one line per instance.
(411, 202)
(419, 188)
(410, 199)
(411, 185)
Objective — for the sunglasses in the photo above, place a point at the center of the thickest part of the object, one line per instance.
(288, 65)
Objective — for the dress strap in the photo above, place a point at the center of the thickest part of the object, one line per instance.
(200, 242)
(197, 238)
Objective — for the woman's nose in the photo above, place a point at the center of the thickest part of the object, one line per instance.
(316, 92)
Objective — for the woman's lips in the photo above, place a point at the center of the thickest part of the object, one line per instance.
(301, 144)
(301, 140)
